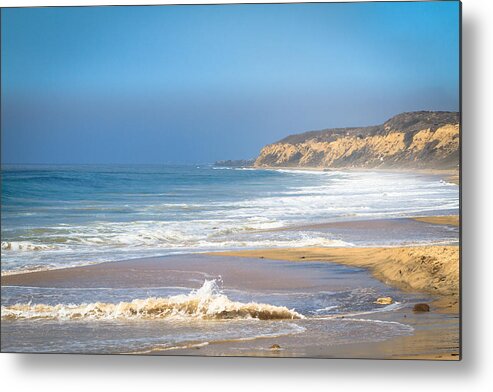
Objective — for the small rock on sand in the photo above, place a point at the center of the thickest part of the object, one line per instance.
(384, 301)
(421, 308)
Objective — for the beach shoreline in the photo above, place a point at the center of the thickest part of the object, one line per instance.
(431, 269)
(435, 334)
(450, 175)
(451, 220)
(364, 224)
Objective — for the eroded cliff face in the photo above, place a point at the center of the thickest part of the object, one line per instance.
(419, 139)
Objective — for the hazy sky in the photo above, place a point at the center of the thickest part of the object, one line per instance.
(193, 84)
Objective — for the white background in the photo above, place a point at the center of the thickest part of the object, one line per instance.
(473, 373)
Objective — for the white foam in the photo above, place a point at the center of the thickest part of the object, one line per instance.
(206, 303)
(161, 228)
(25, 246)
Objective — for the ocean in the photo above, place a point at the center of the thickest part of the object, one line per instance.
(162, 295)
(59, 216)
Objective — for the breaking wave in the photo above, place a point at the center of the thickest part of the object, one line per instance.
(206, 303)
(24, 246)
(174, 210)
(159, 241)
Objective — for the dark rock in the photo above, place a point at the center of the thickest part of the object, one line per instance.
(275, 347)
(421, 308)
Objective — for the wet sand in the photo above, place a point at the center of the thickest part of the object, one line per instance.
(169, 271)
(432, 269)
(451, 220)
(425, 230)
(435, 336)
(450, 175)
(454, 178)
(372, 225)
(429, 269)
(269, 281)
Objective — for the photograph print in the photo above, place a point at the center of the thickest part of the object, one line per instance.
(244, 180)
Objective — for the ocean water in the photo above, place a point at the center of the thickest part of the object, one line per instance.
(162, 295)
(57, 216)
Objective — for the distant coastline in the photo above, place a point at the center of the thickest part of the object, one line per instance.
(421, 141)
(235, 163)
(448, 175)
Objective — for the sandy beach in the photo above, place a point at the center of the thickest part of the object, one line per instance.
(428, 269)
(433, 269)
(452, 220)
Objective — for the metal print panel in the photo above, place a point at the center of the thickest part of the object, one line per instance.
(267, 180)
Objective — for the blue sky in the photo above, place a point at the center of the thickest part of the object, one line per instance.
(194, 84)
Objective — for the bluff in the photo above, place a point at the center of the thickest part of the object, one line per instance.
(409, 140)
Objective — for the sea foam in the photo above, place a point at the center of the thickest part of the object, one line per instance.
(206, 303)
(24, 246)
(170, 210)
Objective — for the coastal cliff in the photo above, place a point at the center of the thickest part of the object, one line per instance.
(424, 140)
